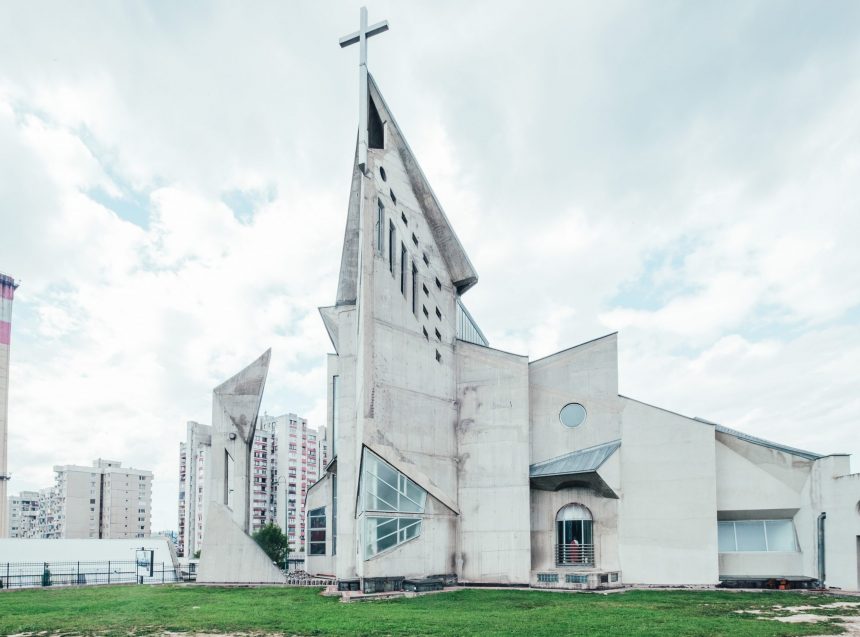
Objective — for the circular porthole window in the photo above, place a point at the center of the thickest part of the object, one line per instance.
(572, 415)
(382, 173)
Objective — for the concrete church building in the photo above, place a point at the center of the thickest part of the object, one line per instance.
(454, 459)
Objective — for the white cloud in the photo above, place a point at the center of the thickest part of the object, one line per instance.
(686, 176)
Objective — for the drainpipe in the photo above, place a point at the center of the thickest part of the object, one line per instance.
(821, 572)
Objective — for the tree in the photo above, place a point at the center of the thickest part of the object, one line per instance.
(273, 541)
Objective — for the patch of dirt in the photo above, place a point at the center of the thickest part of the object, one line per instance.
(806, 614)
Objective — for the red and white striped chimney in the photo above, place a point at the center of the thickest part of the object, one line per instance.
(7, 293)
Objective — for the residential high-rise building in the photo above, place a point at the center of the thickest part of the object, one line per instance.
(24, 515)
(103, 501)
(287, 457)
(192, 481)
(49, 514)
(264, 474)
(297, 467)
(7, 292)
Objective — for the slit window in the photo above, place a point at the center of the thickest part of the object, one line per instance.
(438, 314)
(414, 289)
(426, 260)
(426, 291)
(438, 283)
(414, 239)
(426, 335)
(438, 356)
(426, 313)
(403, 265)
(403, 218)
(380, 227)
(438, 335)
(393, 198)
(391, 244)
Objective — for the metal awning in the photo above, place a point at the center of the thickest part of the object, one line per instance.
(575, 469)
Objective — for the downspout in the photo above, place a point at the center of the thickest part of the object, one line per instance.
(821, 572)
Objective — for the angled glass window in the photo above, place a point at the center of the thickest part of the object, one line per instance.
(384, 488)
(381, 534)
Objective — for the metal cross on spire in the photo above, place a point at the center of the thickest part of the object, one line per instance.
(360, 37)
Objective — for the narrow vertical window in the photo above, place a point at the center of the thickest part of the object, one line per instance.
(414, 289)
(228, 476)
(403, 265)
(334, 514)
(335, 382)
(391, 236)
(380, 228)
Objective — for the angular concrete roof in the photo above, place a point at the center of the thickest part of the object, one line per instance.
(808, 455)
(575, 462)
(578, 468)
(238, 398)
(462, 272)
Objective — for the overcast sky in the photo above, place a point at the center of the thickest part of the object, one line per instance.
(174, 180)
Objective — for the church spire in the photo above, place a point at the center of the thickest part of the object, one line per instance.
(360, 37)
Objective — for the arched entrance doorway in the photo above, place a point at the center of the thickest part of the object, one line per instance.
(574, 537)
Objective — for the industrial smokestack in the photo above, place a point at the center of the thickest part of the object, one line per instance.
(7, 292)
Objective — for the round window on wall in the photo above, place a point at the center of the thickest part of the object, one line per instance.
(572, 415)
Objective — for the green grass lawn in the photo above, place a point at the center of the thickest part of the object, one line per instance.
(124, 610)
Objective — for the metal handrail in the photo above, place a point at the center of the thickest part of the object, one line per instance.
(574, 554)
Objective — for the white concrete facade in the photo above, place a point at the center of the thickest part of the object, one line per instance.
(452, 458)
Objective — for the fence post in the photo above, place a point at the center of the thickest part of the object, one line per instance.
(108, 571)
(8, 581)
(162, 572)
(78, 578)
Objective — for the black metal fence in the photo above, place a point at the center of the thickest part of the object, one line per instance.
(37, 574)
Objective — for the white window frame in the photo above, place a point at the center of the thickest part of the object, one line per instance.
(369, 497)
(371, 547)
(763, 522)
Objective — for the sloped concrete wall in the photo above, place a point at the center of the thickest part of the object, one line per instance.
(230, 556)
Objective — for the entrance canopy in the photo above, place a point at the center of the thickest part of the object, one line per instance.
(575, 469)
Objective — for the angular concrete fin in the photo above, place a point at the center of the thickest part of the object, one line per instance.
(461, 270)
(329, 317)
(239, 397)
(347, 284)
(608, 342)
(230, 556)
